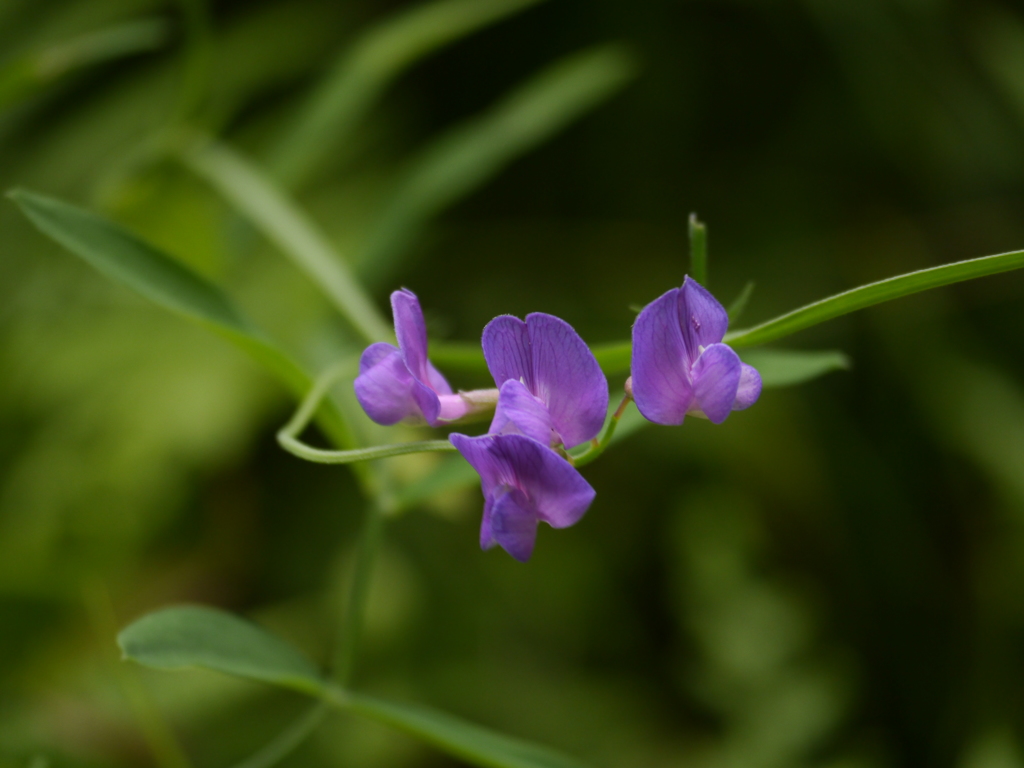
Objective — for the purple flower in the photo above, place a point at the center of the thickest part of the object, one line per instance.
(524, 483)
(679, 364)
(552, 388)
(552, 393)
(401, 384)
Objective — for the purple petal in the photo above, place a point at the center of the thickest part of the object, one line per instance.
(660, 364)
(411, 331)
(556, 492)
(716, 380)
(703, 320)
(506, 343)
(384, 386)
(520, 412)
(749, 389)
(436, 381)
(567, 379)
(513, 524)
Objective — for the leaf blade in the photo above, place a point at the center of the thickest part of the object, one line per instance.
(362, 73)
(788, 367)
(473, 743)
(197, 636)
(875, 293)
(464, 158)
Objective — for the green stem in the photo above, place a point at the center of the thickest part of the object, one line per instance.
(355, 606)
(698, 251)
(597, 447)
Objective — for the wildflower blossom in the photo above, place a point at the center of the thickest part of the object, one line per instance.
(679, 364)
(553, 394)
(524, 483)
(401, 384)
(552, 388)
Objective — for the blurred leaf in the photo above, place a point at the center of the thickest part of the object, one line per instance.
(466, 157)
(288, 740)
(364, 71)
(698, 233)
(122, 256)
(469, 742)
(452, 473)
(874, 293)
(195, 636)
(282, 222)
(786, 367)
(740, 302)
(33, 71)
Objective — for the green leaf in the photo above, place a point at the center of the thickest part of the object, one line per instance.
(28, 74)
(466, 357)
(874, 293)
(125, 258)
(208, 638)
(786, 367)
(195, 636)
(698, 250)
(466, 157)
(363, 72)
(740, 302)
(472, 743)
(272, 212)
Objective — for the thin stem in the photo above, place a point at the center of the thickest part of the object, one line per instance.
(288, 740)
(287, 437)
(355, 607)
(698, 250)
(321, 456)
(166, 751)
(598, 447)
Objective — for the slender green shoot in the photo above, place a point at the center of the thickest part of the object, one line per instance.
(286, 742)
(358, 594)
(740, 302)
(288, 436)
(598, 445)
(698, 250)
(874, 293)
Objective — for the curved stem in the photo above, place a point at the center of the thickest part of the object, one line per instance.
(597, 447)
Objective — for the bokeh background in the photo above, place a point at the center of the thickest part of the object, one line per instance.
(832, 578)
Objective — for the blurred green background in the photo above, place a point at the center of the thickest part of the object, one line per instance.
(832, 578)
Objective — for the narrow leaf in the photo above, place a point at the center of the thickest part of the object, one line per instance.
(270, 210)
(125, 258)
(786, 367)
(31, 72)
(196, 636)
(288, 740)
(463, 159)
(874, 293)
(740, 302)
(363, 72)
(472, 743)
(698, 250)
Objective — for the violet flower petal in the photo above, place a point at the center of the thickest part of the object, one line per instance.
(702, 319)
(513, 523)
(411, 330)
(716, 380)
(507, 350)
(384, 386)
(567, 378)
(660, 362)
(520, 412)
(749, 389)
(553, 490)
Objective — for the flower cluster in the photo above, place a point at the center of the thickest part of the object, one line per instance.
(552, 396)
